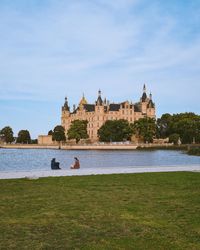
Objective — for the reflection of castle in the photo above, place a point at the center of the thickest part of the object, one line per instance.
(96, 114)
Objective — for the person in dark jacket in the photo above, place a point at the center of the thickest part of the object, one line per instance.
(55, 165)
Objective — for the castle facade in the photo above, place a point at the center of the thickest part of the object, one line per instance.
(102, 110)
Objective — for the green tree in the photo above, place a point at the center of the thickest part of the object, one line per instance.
(78, 130)
(145, 128)
(34, 141)
(187, 125)
(174, 138)
(116, 130)
(50, 132)
(59, 134)
(24, 137)
(7, 134)
(163, 126)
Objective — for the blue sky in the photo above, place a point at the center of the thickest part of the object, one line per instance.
(53, 48)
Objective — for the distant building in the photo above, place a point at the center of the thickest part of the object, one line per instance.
(45, 140)
(97, 114)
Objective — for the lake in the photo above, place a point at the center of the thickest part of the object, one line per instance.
(40, 159)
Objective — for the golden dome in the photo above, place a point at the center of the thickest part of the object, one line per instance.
(83, 101)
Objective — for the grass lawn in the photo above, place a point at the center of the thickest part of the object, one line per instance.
(133, 211)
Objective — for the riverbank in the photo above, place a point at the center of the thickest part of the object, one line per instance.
(114, 146)
(194, 151)
(96, 171)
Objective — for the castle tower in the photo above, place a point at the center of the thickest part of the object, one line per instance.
(65, 114)
(99, 113)
(144, 101)
(151, 107)
(66, 107)
(144, 95)
(99, 101)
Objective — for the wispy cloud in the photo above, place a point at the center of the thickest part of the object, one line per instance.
(51, 48)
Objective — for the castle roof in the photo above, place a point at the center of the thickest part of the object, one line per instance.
(99, 99)
(151, 104)
(114, 107)
(89, 107)
(66, 106)
(144, 97)
(83, 101)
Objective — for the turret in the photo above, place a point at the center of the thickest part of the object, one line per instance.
(150, 103)
(151, 107)
(144, 95)
(66, 106)
(65, 114)
(99, 101)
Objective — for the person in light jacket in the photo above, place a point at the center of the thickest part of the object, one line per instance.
(76, 164)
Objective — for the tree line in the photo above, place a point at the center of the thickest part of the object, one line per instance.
(7, 136)
(183, 127)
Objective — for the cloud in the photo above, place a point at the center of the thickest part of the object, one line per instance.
(52, 48)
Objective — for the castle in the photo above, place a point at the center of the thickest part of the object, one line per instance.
(97, 114)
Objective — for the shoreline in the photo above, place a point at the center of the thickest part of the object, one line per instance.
(92, 147)
(96, 171)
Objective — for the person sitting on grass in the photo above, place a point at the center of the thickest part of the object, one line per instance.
(76, 164)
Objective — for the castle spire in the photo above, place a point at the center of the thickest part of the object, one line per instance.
(66, 106)
(99, 99)
(144, 88)
(144, 95)
(150, 96)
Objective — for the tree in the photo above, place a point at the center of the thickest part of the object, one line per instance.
(7, 134)
(78, 130)
(117, 130)
(50, 132)
(187, 125)
(174, 138)
(145, 128)
(24, 137)
(59, 134)
(163, 126)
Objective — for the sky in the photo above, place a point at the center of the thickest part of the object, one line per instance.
(50, 49)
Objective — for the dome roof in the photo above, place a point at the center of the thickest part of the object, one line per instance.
(83, 101)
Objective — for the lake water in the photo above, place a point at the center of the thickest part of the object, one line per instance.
(39, 159)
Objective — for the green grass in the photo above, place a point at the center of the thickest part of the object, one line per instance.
(134, 211)
(194, 151)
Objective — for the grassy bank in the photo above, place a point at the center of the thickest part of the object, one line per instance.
(139, 211)
(194, 151)
(163, 147)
